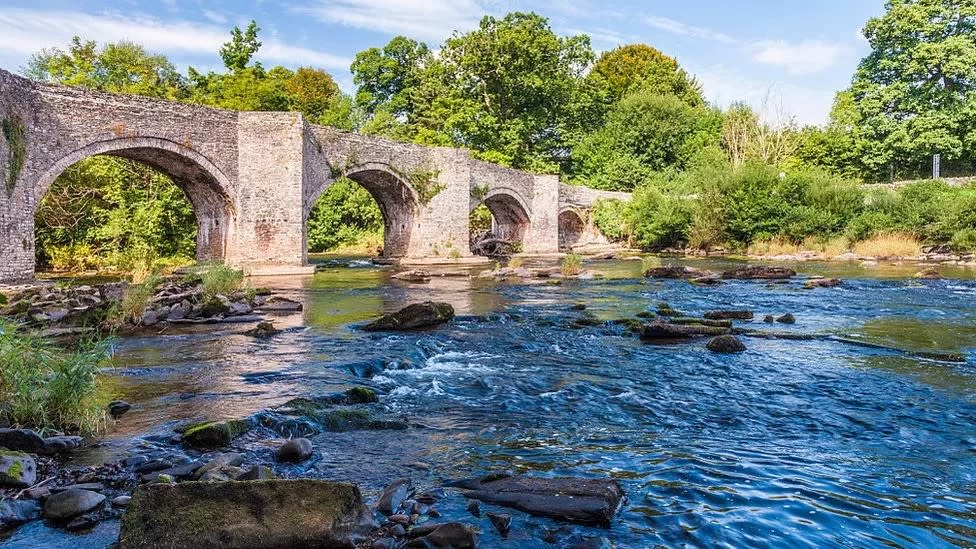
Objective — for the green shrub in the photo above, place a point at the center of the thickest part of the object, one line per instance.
(135, 299)
(964, 240)
(610, 216)
(572, 265)
(659, 220)
(46, 388)
(219, 279)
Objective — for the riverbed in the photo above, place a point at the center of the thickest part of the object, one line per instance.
(791, 443)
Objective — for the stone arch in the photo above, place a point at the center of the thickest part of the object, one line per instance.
(509, 212)
(572, 225)
(397, 199)
(208, 189)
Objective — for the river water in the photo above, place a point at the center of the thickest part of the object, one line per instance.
(791, 444)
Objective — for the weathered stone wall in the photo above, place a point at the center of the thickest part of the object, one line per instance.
(253, 177)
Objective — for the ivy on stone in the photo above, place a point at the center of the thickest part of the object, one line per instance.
(14, 132)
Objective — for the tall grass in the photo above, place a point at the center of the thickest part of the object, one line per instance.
(572, 265)
(219, 279)
(889, 245)
(134, 301)
(46, 388)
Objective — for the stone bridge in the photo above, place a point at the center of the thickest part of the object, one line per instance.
(253, 177)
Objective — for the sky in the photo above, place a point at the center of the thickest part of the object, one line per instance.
(787, 58)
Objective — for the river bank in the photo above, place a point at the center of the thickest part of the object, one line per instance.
(541, 379)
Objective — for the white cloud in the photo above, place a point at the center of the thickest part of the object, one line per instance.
(216, 17)
(431, 20)
(807, 57)
(677, 27)
(724, 85)
(28, 31)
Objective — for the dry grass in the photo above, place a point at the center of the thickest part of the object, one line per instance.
(824, 248)
(515, 262)
(889, 245)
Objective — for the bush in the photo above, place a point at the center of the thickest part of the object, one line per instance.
(219, 279)
(572, 265)
(659, 220)
(344, 214)
(134, 301)
(45, 388)
(610, 216)
(964, 240)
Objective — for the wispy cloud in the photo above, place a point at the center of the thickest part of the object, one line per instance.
(806, 57)
(677, 27)
(27, 31)
(431, 20)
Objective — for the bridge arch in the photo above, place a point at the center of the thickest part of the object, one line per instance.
(510, 213)
(397, 199)
(208, 189)
(572, 225)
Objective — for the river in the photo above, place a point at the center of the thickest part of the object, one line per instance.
(792, 443)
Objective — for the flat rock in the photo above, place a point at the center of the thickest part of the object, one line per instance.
(71, 503)
(270, 513)
(412, 317)
(418, 276)
(666, 331)
(584, 501)
(811, 283)
(676, 272)
(281, 304)
(759, 272)
(449, 534)
(214, 434)
(729, 315)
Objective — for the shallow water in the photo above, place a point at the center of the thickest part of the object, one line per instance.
(792, 443)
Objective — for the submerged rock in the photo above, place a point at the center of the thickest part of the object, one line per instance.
(71, 503)
(214, 434)
(418, 276)
(502, 522)
(786, 319)
(263, 330)
(411, 317)
(759, 272)
(449, 534)
(676, 272)
(729, 315)
(270, 513)
(295, 450)
(821, 283)
(929, 274)
(584, 501)
(725, 344)
(17, 469)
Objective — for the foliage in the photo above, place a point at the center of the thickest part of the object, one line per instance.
(658, 220)
(219, 279)
(14, 133)
(343, 214)
(45, 387)
(644, 133)
(479, 221)
(237, 53)
(639, 67)
(135, 299)
(610, 216)
(572, 265)
(914, 94)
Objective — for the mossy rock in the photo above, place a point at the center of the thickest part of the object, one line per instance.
(258, 513)
(412, 317)
(17, 469)
(214, 307)
(357, 419)
(214, 434)
(331, 413)
(361, 395)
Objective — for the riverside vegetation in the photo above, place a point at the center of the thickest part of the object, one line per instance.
(629, 119)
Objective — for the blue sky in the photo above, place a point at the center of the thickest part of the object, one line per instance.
(791, 56)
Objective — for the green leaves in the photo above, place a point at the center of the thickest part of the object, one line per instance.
(242, 46)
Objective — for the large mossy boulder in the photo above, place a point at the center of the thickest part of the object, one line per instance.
(260, 513)
(17, 469)
(412, 317)
(214, 434)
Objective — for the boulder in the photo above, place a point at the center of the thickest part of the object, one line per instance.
(418, 276)
(729, 315)
(281, 304)
(929, 274)
(676, 271)
(17, 469)
(786, 319)
(411, 317)
(16, 512)
(725, 344)
(759, 272)
(295, 450)
(26, 440)
(502, 522)
(821, 283)
(263, 330)
(667, 331)
(452, 535)
(394, 495)
(71, 503)
(584, 501)
(259, 472)
(214, 434)
(117, 408)
(268, 513)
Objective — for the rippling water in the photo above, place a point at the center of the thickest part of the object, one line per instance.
(792, 443)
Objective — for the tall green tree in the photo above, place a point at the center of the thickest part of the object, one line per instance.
(639, 67)
(915, 92)
(237, 53)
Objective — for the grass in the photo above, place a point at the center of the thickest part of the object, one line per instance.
(889, 245)
(572, 265)
(827, 249)
(515, 262)
(46, 388)
(219, 279)
(134, 301)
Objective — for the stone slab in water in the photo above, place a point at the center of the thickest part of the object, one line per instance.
(260, 513)
(585, 501)
(760, 272)
(411, 317)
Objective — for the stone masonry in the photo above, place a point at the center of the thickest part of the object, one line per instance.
(253, 177)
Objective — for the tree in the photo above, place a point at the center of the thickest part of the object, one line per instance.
(242, 46)
(634, 67)
(387, 77)
(915, 92)
(644, 133)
